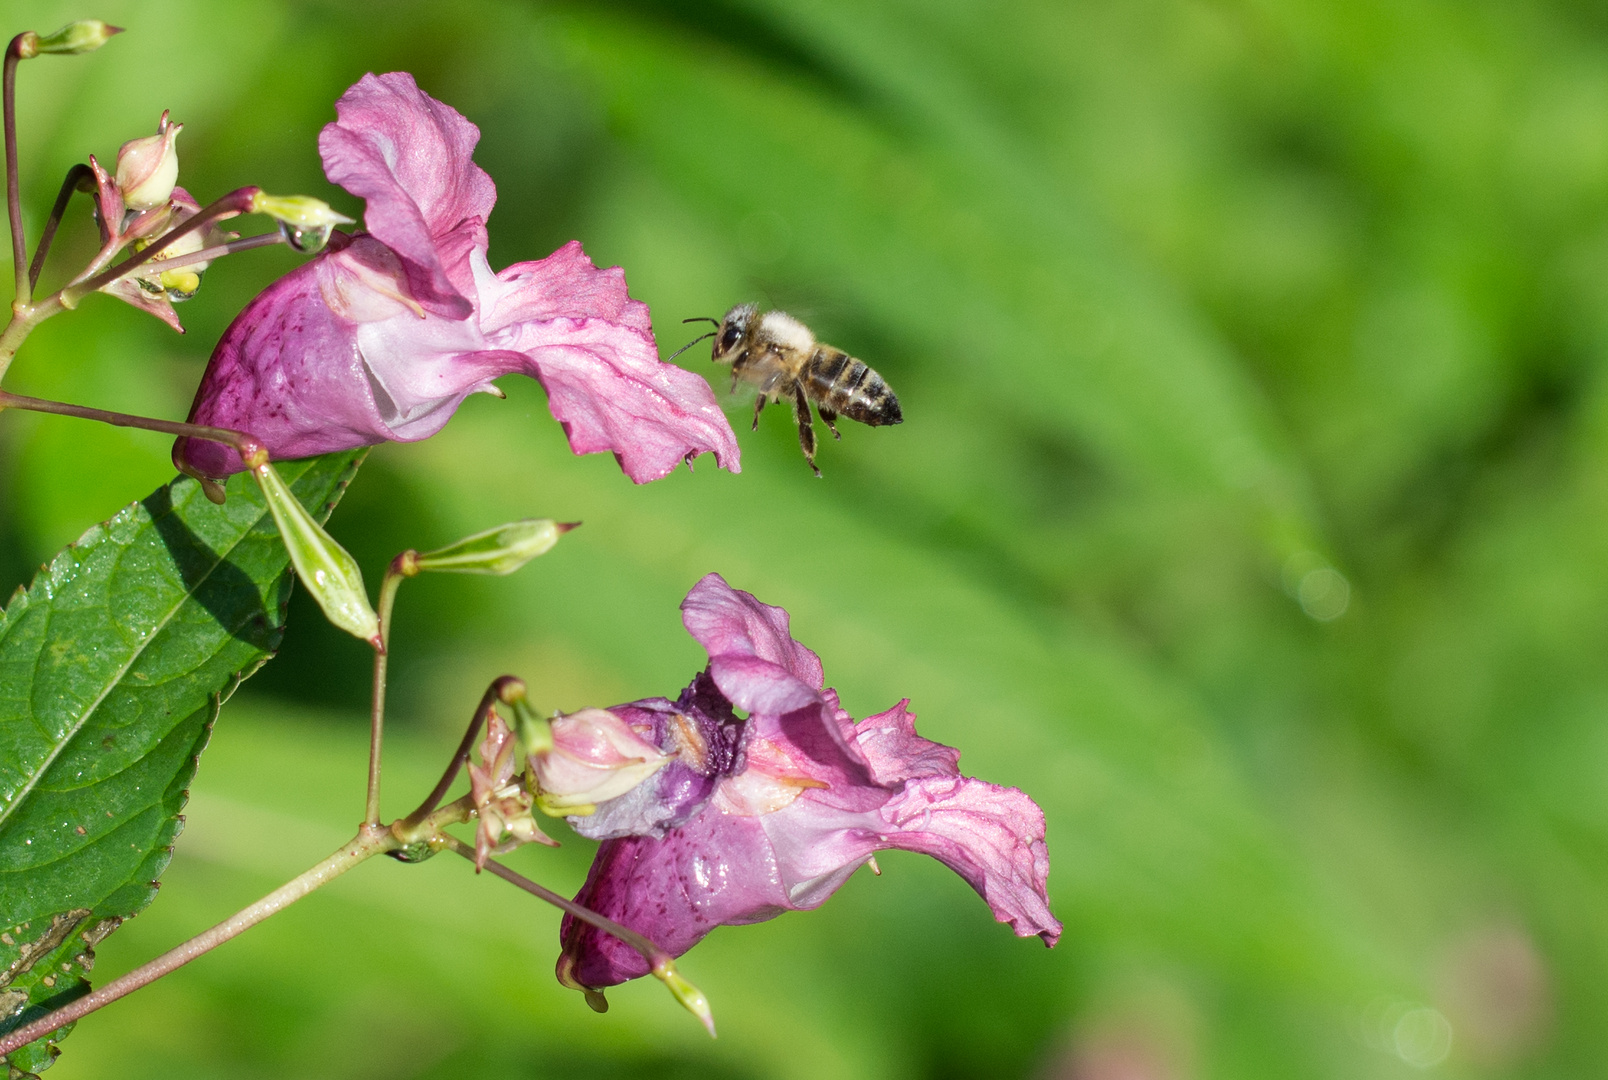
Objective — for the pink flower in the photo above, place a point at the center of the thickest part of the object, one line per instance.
(795, 803)
(384, 335)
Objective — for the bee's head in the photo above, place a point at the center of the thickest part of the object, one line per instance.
(733, 328)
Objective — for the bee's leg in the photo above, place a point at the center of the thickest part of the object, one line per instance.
(759, 407)
(828, 417)
(806, 430)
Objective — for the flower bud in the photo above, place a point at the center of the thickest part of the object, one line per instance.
(85, 35)
(305, 221)
(148, 168)
(329, 573)
(595, 756)
(664, 969)
(496, 551)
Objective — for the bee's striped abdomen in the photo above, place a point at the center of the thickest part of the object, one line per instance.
(841, 384)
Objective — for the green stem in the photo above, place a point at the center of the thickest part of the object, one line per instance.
(367, 844)
(74, 181)
(394, 575)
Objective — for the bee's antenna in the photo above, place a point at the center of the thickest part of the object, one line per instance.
(689, 344)
(702, 318)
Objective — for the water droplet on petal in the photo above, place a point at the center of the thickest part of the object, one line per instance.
(308, 241)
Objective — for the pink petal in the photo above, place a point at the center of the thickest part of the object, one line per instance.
(717, 869)
(565, 285)
(306, 380)
(591, 346)
(992, 836)
(728, 621)
(896, 753)
(408, 156)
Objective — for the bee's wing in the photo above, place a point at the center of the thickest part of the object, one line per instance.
(761, 374)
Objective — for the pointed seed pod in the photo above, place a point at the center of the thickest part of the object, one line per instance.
(496, 551)
(328, 571)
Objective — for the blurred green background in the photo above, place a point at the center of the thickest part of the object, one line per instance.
(1250, 512)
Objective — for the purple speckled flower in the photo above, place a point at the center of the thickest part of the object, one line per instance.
(383, 336)
(773, 813)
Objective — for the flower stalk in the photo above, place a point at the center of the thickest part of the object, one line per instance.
(245, 445)
(661, 963)
(21, 46)
(237, 202)
(79, 178)
(394, 575)
(367, 844)
(507, 689)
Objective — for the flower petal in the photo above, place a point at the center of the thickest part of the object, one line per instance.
(896, 753)
(591, 346)
(992, 836)
(332, 357)
(704, 740)
(408, 156)
(730, 622)
(717, 869)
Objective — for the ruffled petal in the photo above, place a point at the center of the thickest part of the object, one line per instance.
(591, 346)
(730, 622)
(408, 156)
(896, 753)
(992, 836)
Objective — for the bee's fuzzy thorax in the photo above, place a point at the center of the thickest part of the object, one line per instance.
(782, 328)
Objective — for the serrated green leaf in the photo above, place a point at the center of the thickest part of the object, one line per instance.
(113, 665)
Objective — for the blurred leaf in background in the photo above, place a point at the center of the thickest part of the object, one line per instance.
(1250, 512)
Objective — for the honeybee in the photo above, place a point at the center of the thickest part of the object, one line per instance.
(781, 358)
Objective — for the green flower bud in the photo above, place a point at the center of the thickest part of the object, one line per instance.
(664, 969)
(496, 551)
(329, 573)
(305, 221)
(83, 36)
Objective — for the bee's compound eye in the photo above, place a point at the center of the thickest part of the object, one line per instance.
(729, 336)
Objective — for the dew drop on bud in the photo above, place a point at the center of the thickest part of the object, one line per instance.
(308, 241)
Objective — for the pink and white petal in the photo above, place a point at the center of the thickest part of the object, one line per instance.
(759, 686)
(731, 622)
(409, 157)
(896, 753)
(289, 372)
(991, 836)
(606, 385)
(565, 285)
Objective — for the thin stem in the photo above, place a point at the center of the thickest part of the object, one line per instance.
(74, 181)
(236, 202)
(245, 445)
(661, 964)
(19, 248)
(654, 955)
(206, 255)
(367, 844)
(394, 575)
(505, 688)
